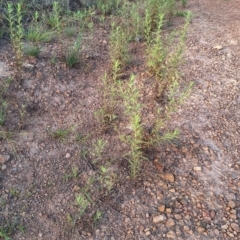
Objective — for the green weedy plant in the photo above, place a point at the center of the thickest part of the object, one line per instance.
(14, 18)
(132, 108)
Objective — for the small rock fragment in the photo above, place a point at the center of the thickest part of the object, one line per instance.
(178, 216)
(231, 197)
(148, 233)
(197, 169)
(68, 155)
(232, 204)
(76, 188)
(170, 223)
(28, 65)
(161, 208)
(233, 216)
(218, 47)
(168, 210)
(4, 158)
(171, 235)
(159, 218)
(4, 167)
(169, 177)
(235, 227)
(200, 229)
(224, 227)
(186, 228)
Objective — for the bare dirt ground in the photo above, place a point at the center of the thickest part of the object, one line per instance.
(195, 196)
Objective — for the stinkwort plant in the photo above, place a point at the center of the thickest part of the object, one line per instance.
(14, 18)
(132, 109)
(157, 51)
(108, 7)
(54, 18)
(163, 59)
(106, 114)
(118, 50)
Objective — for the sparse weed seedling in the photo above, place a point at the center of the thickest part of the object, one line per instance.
(73, 174)
(107, 178)
(97, 216)
(99, 146)
(82, 203)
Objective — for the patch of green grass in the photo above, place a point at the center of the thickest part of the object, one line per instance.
(6, 231)
(3, 112)
(7, 136)
(32, 50)
(72, 54)
(60, 134)
(37, 31)
(70, 31)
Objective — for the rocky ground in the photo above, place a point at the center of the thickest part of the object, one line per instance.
(195, 195)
